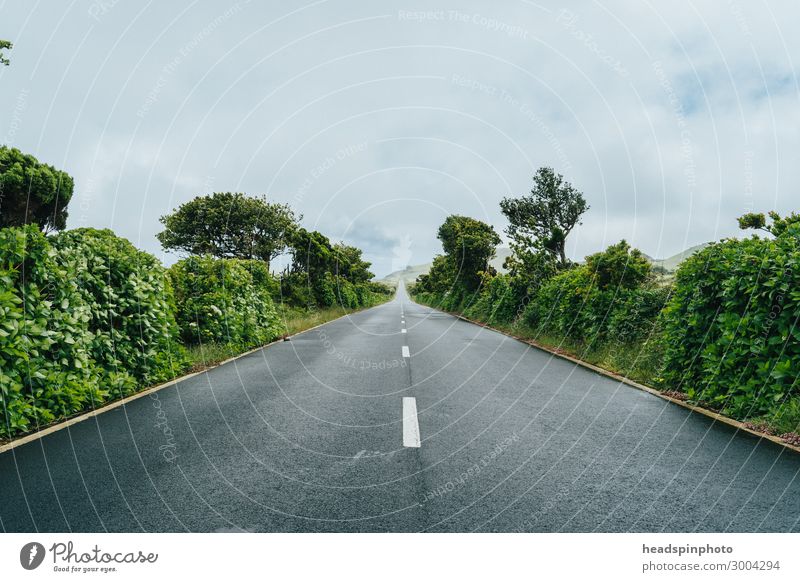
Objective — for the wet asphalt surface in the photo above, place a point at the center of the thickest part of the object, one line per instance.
(306, 435)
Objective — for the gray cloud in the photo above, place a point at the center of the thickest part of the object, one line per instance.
(376, 122)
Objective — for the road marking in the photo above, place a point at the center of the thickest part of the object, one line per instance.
(410, 422)
(403, 330)
(406, 353)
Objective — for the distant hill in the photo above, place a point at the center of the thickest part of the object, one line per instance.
(410, 273)
(670, 264)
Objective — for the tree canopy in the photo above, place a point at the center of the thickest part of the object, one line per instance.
(32, 192)
(544, 218)
(229, 225)
(5, 45)
(619, 266)
(312, 252)
(469, 244)
(350, 265)
(758, 221)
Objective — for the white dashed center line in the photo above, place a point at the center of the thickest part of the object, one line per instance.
(403, 330)
(410, 423)
(406, 353)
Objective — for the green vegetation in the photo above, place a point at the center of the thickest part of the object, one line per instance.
(732, 327)
(131, 308)
(32, 192)
(229, 226)
(86, 318)
(224, 301)
(5, 45)
(724, 333)
(46, 369)
(542, 220)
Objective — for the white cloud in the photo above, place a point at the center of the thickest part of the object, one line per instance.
(673, 118)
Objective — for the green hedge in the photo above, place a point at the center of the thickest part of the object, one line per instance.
(46, 368)
(135, 337)
(732, 325)
(498, 302)
(225, 301)
(607, 311)
(85, 317)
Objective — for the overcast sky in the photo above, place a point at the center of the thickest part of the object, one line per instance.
(376, 121)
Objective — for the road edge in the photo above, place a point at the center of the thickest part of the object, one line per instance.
(39, 434)
(627, 381)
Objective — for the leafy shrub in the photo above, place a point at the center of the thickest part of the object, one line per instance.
(346, 293)
(219, 300)
(581, 303)
(32, 192)
(134, 334)
(731, 325)
(498, 301)
(619, 266)
(46, 369)
(636, 318)
(565, 305)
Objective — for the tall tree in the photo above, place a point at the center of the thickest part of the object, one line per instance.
(5, 45)
(758, 221)
(544, 218)
(619, 266)
(469, 244)
(350, 265)
(229, 225)
(32, 192)
(312, 253)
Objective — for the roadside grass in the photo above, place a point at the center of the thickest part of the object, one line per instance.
(295, 321)
(207, 355)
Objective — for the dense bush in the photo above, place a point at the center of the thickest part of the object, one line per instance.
(46, 370)
(636, 318)
(134, 334)
(588, 302)
(498, 301)
(732, 325)
(224, 301)
(32, 192)
(606, 310)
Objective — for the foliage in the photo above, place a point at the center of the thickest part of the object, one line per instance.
(543, 219)
(731, 325)
(218, 301)
(758, 221)
(498, 301)
(4, 44)
(349, 264)
(132, 322)
(636, 316)
(312, 253)
(229, 225)
(322, 274)
(46, 369)
(580, 303)
(439, 278)
(468, 244)
(619, 266)
(529, 269)
(568, 304)
(32, 192)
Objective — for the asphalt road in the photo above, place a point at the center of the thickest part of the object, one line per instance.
(337, 430)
